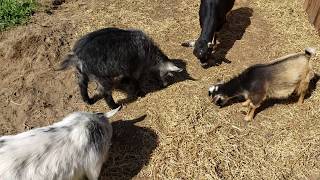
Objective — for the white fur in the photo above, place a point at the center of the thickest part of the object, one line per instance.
(311, 50)
(170, 67)
(192, 43)
(213, 88)
(60, 154)
(189, 43)
(210, 45)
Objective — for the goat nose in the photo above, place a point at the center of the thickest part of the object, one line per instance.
(204, 64)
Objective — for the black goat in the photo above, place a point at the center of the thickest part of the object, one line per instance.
(212, 15)
(111, 55)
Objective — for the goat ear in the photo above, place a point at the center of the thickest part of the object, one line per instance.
(190, 44)
(170, 67)
(210, 45)
(112, 112)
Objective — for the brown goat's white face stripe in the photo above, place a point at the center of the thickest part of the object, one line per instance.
(213, 88)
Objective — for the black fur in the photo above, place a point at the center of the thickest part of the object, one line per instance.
(2, 142)
(57, 2)
(48, 148)
(110, 53)
(51, 129)
(244, 81)
(97, 133)
(251, 80)
(66, 128)
(212, 15)
(20, 168)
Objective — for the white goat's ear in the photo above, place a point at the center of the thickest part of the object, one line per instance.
(112, 112)
(210, 45)
(170, 67)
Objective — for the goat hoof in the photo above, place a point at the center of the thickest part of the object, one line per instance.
(89, 101)
(141, 94)
(247, 118)
(245, 104)
(164, 84)
(300, 102)
(114, 106)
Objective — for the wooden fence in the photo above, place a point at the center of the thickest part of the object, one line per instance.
(312, 8)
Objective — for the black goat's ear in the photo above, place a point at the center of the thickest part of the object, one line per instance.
(170, 67)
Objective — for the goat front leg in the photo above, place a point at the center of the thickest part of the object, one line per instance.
(105, 89)
(215, 39)
(257, 96)
(246, 103)
(251, 110)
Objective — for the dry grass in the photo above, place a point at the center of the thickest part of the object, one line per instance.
(183, 136)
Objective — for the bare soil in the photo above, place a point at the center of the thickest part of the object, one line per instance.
(179, 133)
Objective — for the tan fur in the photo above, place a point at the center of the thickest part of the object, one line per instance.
(290, 75)
(286, 75)
(277, 79)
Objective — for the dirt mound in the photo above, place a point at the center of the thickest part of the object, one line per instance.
(29, 93)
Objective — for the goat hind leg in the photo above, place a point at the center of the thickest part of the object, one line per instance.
(302, 91)
(303, 87)
(83, 85)
(100, 93)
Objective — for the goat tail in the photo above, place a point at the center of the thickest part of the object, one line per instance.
(69, 60)
(310, 51)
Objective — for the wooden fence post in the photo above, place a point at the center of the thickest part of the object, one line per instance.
(312, 8)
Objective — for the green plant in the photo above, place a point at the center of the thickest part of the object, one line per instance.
(14, 12)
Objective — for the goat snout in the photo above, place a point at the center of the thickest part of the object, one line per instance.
(205, 64)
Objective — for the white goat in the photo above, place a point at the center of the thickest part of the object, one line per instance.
(73, 148)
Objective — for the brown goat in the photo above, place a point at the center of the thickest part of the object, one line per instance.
(277, 79)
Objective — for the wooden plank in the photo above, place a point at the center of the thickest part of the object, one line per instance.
(312, 8)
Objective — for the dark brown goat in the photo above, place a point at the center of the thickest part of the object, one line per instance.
(277, 79)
